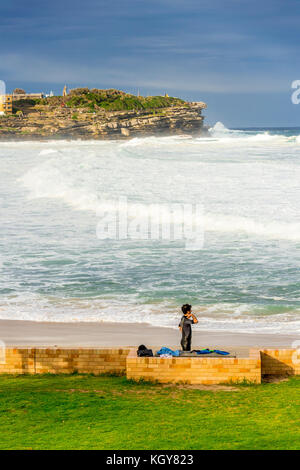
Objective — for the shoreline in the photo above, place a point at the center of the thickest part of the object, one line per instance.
(28, 333)
(114, 138)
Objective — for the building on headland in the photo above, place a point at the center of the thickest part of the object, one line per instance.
(200, 104)
(26, 96)
(6, 101)
(5, 104)
(65, 91)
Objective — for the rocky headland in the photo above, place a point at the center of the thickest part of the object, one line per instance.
(101, 114)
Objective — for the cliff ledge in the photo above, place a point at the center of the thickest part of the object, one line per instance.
(100, 114)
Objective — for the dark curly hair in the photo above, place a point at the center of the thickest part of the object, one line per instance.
(186, 308)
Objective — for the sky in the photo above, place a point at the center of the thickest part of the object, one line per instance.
(239, 56)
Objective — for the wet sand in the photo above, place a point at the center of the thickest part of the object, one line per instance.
(25, 333)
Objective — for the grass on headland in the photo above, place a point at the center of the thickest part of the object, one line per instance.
(110, 100)
(86, 412)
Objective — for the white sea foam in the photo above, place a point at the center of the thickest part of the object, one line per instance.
(47, 152)
(48, 180)
(222, 135)
(238, 318)
(246, 278)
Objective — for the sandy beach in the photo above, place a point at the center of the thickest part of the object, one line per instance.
(26, 333)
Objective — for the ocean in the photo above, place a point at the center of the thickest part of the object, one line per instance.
(245, 277)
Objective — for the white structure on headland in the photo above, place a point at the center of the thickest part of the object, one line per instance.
(49, 95)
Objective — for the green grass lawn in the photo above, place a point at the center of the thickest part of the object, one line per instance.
(86, 412)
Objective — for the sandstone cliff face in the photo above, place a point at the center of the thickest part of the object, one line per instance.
(66, 123)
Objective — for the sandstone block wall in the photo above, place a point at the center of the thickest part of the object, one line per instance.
(192, 370)
(64, 360)
(198, 370)
(280, 362)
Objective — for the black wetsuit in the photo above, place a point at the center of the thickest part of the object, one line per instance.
(185, 324)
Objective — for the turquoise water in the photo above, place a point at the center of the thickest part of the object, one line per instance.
(246, 276)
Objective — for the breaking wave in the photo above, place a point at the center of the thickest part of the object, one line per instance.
(49, 180)
(246, 279)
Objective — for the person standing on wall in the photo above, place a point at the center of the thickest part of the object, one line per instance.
(187, 320)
